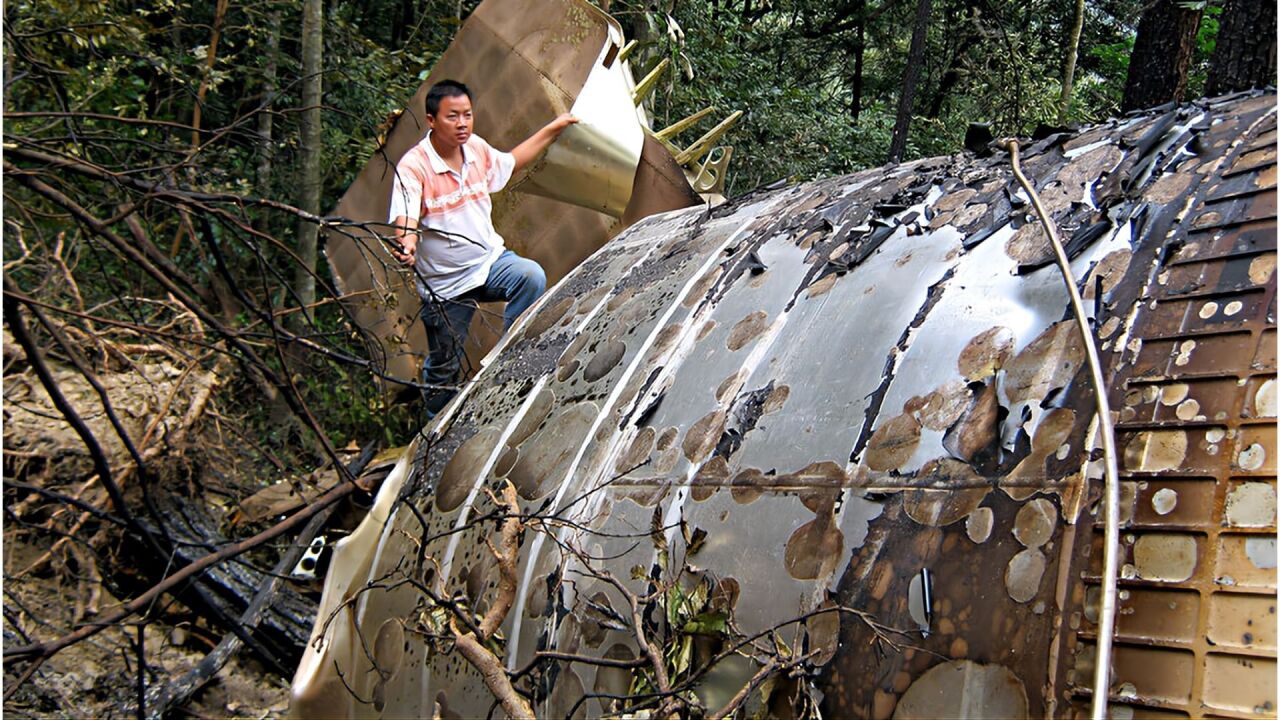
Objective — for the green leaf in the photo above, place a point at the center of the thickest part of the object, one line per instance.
(675, 602)
(680, 664)
(708, 623)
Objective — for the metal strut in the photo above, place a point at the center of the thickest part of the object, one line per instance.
(1110, 554)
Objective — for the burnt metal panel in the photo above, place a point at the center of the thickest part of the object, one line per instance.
(1196, 629)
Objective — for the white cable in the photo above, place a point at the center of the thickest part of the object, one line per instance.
(1110, 553)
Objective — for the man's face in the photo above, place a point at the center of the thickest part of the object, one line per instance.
(452, 122)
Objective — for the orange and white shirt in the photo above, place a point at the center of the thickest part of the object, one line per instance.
(458, 243)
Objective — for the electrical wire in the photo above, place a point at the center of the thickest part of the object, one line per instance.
(1111, 555)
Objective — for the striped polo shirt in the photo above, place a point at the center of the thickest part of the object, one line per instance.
(430, 193)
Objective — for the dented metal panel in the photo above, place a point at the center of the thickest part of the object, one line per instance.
(867, 392)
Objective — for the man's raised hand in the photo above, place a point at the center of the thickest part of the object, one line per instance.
(529, 150)
(558, 125)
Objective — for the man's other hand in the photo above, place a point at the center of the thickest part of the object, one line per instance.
(407, 252)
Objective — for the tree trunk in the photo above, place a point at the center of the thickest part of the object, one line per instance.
(859, 50)
(1245, 56)
(1161, 55)
(968, 37)
(1069, 64)
(304, 285)
(266, 118)
(910, 78)
(210, 59)
(406, 21)
(197, 112)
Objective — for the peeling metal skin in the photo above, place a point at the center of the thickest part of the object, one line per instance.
(838, 385)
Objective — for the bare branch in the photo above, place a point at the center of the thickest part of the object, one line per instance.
(473, 648)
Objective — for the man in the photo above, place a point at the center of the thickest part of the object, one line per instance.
(441, 212)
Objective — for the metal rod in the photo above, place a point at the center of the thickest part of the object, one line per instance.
(626, 51)
(650, 81)
(926, 594)
(677, 127)
(1110, 553)
(704, 143)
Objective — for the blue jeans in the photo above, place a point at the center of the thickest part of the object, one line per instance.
(517, 281)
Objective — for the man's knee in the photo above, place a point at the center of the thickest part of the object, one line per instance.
(532, 276)
(523, 282)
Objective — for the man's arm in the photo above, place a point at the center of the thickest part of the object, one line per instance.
(406, 203)
(407, 238)
(529, 150)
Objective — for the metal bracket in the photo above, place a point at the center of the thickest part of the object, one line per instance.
(710, 177)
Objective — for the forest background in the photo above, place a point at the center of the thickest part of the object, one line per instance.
(168, 164)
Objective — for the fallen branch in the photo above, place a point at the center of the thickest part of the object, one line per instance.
(473, 648)
(144, 451)
(161, 699)
(494, 675)
(247, 357)
(19, 328)
(42, 651)
(507, 559)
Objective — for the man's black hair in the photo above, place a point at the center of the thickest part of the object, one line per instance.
(445, 89)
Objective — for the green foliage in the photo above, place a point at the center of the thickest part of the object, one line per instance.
(96, 60)
(791, 65)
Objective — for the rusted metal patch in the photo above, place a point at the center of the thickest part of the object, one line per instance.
(1199, 503)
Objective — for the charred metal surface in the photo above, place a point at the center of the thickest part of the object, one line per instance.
(812, 394)
(1194, 378)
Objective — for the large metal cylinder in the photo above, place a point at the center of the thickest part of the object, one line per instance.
(850, 417)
